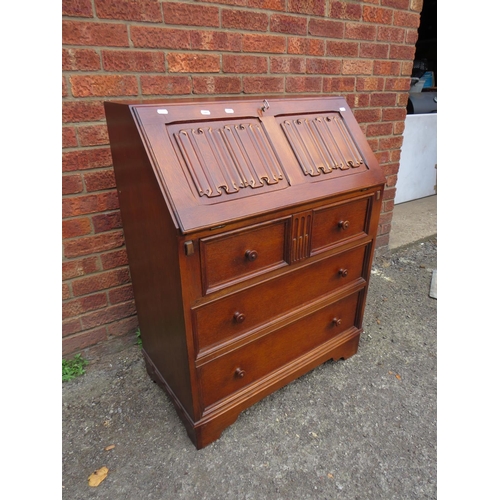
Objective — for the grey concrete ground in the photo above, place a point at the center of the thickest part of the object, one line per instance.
(364, 428)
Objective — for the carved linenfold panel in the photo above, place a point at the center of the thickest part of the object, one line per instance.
(228, 158)
(300, 247)
(321, 144)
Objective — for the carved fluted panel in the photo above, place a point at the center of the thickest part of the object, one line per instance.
(228, 158)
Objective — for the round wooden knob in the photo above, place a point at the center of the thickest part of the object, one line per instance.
(343, 273)
(240, 373)
(251, 255)
(239, 317)
(344, 224)
(336, 321)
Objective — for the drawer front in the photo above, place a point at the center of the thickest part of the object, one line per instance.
(231, 257)
(236, 314)
(340, 222)
(241, 367)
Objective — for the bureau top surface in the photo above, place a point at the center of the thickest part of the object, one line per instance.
(220, 160)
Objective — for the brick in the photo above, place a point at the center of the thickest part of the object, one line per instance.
(193, 63)
(266, 4)
(292, 25)
(389, 194)
(383, 99)
(106, 222)
(244, 64)
(402, 52)
(76, 343)
(217, 85)
(403, 99)
(114, 259)
(368, 115)
(392, 168)
(241, 3)
(357, 67)
(244, 20)
(407, 19)
(86, 204)
(397, 83)
(378, 129)
(391, 180)
(101, 281)
(264, 43)
(72, 184)
(66, 294)
(391, 142)
(103, 85)
(360, 31)
(288, 65)
(261, 84)
(159, 38)
(122, 294)
(360, 100)
(390, 68)
(395, 155)
(186, 14)
(93, 135)
(323, 66)
(343, 10)
(393, 114)
(326, 28)
(80, 60)
(215, 40)
(411, 37)
(77, 8)
(93, 244)
(102, 34)
(110, 314)
(70, 326)
(169, 85)
(382, 241)
(340, 48)
(86, 159)
(82, 111)
(396, 4)
(75, 268)
(389, 34)
(339, 84)
(377, 15)
(138, 10)
(69, 139)
(382, 156)
(416, 5)
(64, 87)
(374, 50)
(123, 327)
(388, 206)
(315, 7)
(84, 304)
(72, 228)
(399, 127)
(98, 181)
(303, 84)
(133, 61)
(369, 83)
(306, 46)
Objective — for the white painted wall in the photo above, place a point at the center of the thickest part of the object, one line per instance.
(417, 169)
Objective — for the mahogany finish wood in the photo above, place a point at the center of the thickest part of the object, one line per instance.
(250, 226)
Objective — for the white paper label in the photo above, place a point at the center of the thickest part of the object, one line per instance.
(342, 109)
(205, 112)
(229, 110)
(162, 111)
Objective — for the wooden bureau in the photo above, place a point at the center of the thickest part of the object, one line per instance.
(250, 227)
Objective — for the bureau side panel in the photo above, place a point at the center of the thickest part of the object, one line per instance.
(152, 247)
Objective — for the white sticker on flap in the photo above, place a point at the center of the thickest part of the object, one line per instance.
(229, 110)
(205, 112)
(341, 109)
(162, 111)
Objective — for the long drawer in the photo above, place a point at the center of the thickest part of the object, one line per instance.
(233, 371)
(234, 315)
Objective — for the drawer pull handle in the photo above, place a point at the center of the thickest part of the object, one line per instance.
(240, 373)
(344, 224)
(336, 321)
(251, 255)
(343, 273)
(239, 317)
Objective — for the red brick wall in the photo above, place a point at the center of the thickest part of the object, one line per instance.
(148, 49)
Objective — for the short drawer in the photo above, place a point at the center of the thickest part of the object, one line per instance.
(240, 312)
(340, 222)
(241, 367)
(236, 255)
